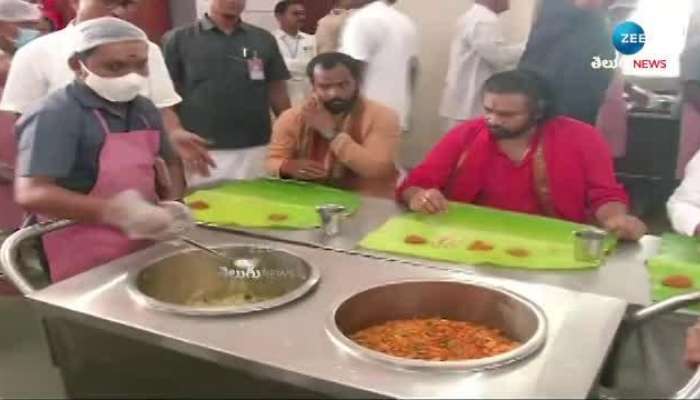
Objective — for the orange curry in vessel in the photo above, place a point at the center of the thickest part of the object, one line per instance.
(435, 339)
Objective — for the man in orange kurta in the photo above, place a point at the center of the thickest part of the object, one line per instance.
(337, 136)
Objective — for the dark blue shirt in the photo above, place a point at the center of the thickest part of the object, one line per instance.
(60, 137)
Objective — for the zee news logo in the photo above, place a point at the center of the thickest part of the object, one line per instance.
(629, 38)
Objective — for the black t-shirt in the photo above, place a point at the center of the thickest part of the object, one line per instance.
(210, 71)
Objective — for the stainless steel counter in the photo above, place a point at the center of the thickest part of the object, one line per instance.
(624, 274)
(291, 344)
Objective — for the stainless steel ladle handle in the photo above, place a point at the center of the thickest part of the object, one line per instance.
(10, 252)
(664, 307)
(692, 389)
(223, 257)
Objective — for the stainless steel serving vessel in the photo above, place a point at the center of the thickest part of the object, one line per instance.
(292, 344)
(197, 283)
(518, 318)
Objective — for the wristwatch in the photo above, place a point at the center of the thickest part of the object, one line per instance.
(329, 134)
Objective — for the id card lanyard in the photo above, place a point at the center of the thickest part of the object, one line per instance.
(256, 66)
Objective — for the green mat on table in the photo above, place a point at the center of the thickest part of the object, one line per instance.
(549, 243)
(679, 255)
(260, 203)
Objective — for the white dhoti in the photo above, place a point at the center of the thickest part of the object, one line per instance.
(239, 164)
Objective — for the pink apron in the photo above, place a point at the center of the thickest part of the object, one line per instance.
(689, 142)
(126, 162)
(11, 214)
(612, 117)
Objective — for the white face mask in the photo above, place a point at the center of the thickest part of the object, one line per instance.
(119, 90)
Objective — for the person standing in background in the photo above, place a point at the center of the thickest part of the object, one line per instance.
(19, 24)
(330, 26)
(684, 205)
(16, 20)
(386, 41)
(689, 142)
(612, 116)
(230, 74)
(566, 37)
(478, 51)
(57, 12)
(297, 47)
(41, 67)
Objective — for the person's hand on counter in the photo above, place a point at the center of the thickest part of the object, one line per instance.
(306, 170)
(625, 227)
(7, 173)
(692, 346)
(428, 201)
(139, 219)
(615, 218)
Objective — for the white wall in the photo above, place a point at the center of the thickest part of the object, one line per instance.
(258, 12)
(435, 20)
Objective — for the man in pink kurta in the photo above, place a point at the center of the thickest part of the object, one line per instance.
(519, 157)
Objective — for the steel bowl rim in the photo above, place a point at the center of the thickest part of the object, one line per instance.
(534, 344)
(142, 298)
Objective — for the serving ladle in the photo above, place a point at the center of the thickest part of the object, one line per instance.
(241, 263)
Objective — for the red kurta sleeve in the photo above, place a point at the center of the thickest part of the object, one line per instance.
(59, 12)
(435, 171)
(601, 185)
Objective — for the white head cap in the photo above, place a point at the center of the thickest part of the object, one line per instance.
(18, 11)
(99, 31)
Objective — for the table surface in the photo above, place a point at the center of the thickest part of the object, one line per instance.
(623, 275)
(291, 343)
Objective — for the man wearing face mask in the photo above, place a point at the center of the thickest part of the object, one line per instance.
(522, 157)
(41, 67)
(337, 137)
(17, 27)
(18, 23)
(91, 152)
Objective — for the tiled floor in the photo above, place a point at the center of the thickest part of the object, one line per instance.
(26, 370)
